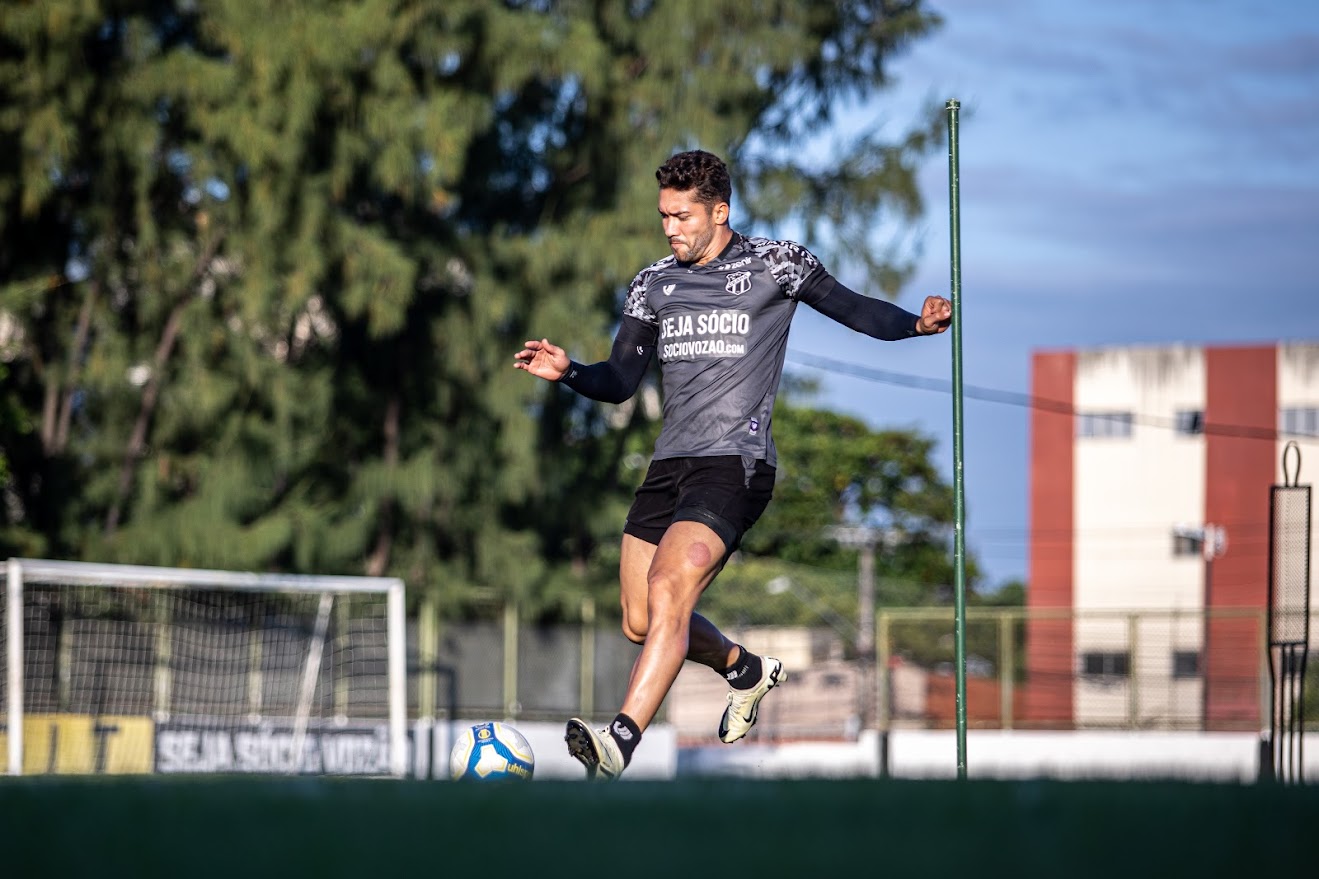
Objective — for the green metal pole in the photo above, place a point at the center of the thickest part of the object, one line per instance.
(959, 499)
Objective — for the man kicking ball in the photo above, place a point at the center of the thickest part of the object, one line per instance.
(717, 310)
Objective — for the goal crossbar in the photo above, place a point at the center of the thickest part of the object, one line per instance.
(146, 576)
(21, 571)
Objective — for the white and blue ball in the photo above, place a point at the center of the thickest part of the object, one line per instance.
(491, 751)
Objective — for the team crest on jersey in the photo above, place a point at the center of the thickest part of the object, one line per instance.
(738, 283)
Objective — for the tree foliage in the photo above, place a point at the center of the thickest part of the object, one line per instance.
(834, 470)
(263, 266)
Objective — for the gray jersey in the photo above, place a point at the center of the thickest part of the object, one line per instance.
(722, 333)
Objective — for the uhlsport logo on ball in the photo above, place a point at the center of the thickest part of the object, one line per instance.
(491, 751)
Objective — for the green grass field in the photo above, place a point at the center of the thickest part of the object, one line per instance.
(148, 827)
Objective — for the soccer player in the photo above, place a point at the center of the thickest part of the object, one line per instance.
(717, 311)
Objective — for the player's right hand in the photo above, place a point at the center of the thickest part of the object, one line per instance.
(542, 359)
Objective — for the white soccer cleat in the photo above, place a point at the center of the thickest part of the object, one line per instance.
(594, 749)
(744, 705)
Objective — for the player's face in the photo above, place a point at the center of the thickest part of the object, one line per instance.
(690, 225)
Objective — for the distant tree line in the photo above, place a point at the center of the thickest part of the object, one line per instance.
(263, 268)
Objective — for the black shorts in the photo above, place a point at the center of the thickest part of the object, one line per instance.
(728, 493)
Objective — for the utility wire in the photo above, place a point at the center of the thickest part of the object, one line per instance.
(1026, 401)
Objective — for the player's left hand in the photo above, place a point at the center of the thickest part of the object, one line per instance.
(936, 316)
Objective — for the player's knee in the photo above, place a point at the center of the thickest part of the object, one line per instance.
(636, 620)
(635, 627)
(667, 597)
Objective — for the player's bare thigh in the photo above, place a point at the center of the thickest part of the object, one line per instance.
(670, 576)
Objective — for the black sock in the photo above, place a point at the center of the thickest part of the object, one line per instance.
(745, 673)
(627, 734)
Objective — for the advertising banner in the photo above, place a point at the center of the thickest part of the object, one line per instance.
(202, 746)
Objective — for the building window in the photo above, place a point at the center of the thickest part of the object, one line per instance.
(1186, 542)
(1190, 422)
(1105, 664)
(1103, 424)
(1300, 421)
(1185, 664)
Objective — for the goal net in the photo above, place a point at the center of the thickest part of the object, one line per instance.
(131, 669)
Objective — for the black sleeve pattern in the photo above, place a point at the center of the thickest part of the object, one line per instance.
(636, 306)
(789, 263)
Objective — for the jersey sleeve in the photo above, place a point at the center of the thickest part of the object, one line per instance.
(794, 267)
(874, 317)
(636, 305)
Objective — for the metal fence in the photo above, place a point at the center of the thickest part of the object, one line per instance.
(1137, 670)
(1112, 669)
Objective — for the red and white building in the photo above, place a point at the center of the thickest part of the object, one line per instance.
(1150, 476)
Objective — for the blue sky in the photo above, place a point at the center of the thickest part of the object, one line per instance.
(1132, 172)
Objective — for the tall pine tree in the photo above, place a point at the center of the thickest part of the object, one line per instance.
(263, 266)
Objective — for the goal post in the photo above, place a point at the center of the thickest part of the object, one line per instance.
(130, 668)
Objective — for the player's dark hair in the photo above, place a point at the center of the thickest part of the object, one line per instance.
(696, 169)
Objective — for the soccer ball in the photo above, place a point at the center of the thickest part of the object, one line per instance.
(491, 751)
